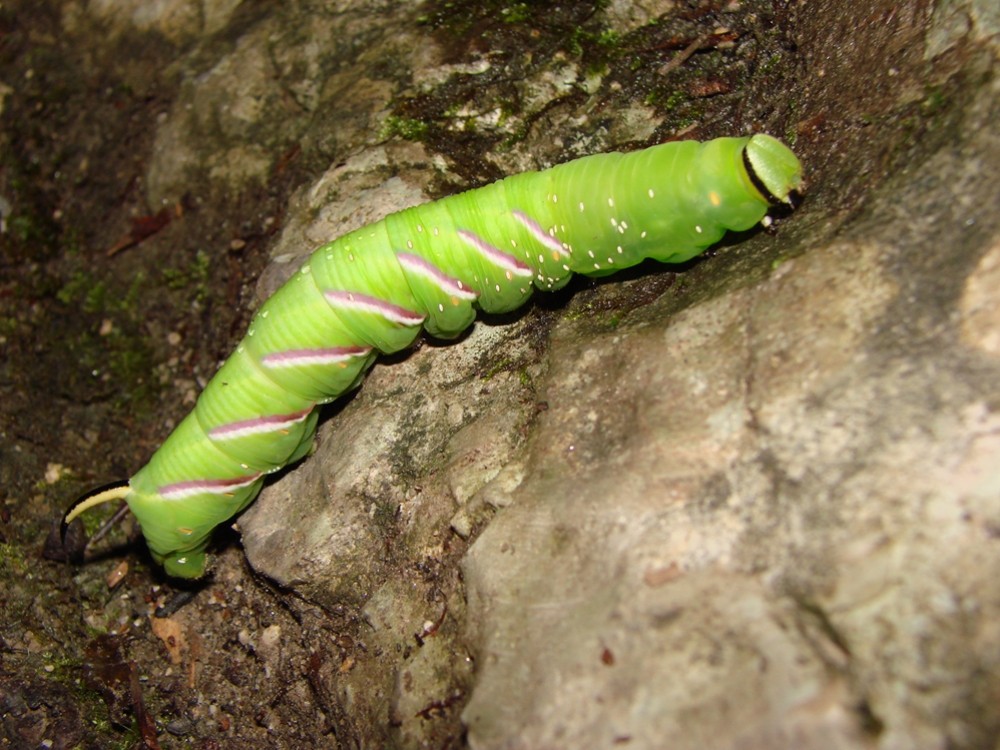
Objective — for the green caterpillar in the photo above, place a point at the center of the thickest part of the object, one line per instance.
(432, 266)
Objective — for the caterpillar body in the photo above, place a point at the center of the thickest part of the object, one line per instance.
(429, 267)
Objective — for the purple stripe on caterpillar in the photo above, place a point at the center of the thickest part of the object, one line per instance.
(544, 238)
(321, 356)
(508, 263)
(424, 268)
(258, 425)
(181, 490)
(355, 301)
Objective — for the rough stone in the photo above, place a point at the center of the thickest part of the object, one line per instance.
(767, 519)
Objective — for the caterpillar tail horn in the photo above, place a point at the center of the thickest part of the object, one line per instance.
(106, 494)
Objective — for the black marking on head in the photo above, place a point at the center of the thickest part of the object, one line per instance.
(757, 182)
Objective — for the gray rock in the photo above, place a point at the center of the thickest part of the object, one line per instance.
(758, 513)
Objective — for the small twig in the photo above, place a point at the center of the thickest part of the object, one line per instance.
(147, 727)
(107, 525)
(684, 55)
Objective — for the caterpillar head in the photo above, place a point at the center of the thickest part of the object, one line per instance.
(773, 167)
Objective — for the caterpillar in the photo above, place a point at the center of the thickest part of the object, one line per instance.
(430, 267)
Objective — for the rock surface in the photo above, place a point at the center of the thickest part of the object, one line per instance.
(765, 516)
